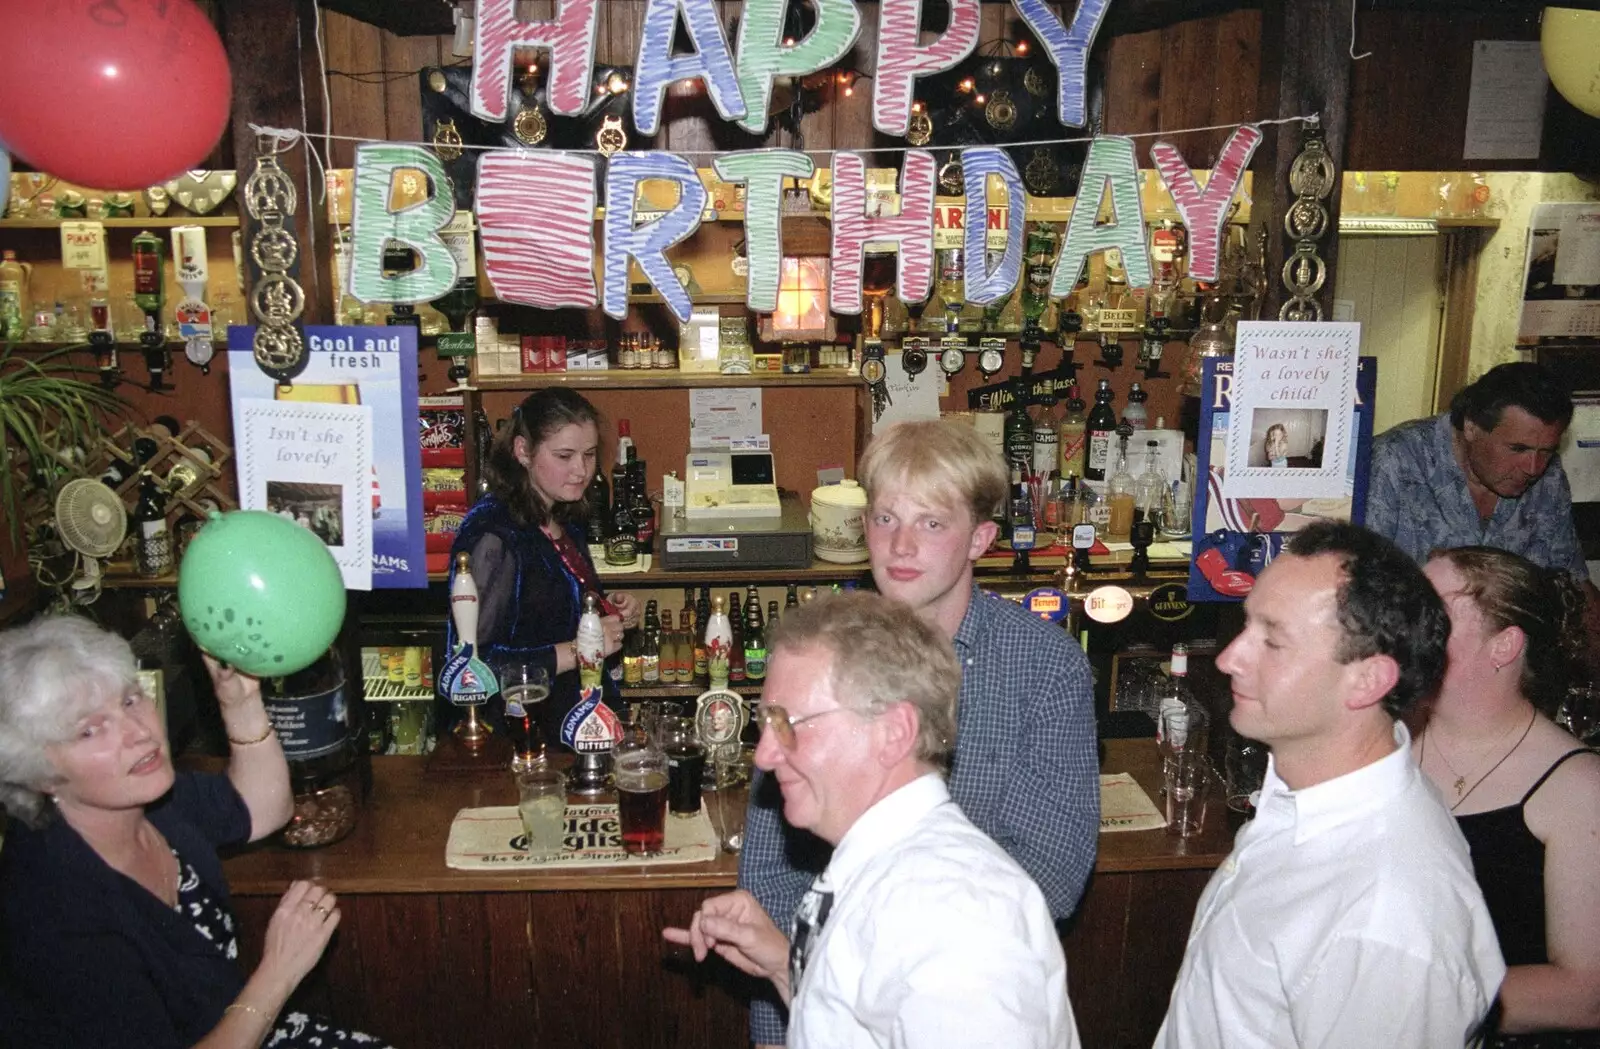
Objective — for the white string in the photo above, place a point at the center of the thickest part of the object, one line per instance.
(291, 134)
(1365, 54)
(322, 79)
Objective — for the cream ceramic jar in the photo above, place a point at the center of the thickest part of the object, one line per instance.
(838, 523)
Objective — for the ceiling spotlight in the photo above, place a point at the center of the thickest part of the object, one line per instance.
(1022, 47)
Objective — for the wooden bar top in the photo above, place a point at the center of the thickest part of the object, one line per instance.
(398, 844)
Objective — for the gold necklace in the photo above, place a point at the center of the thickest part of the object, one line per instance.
(1461, 780)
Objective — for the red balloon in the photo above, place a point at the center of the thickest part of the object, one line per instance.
(111, 94)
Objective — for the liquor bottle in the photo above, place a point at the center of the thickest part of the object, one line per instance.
(755, 638)
(702, 609)
(590, 644)
(1101, 427)
(147, 277)
(736, 670)
(153, 554)
(621, 471)
(644, 510)
(463, 296)
(1020, 528)
(1070, 316)
(671, 650)
(1040, 257)
(1135, 414)
(1120, 492)
(651, 620)
(627, 352)
(14, 304)
(950, 285)
(791, 599)
(1181, 721)
(650, 664)
(772, 614)
(622, 544)
(1072, 434)
(625, 448)
(633, 659)
(719, 644)
(1046, 435)
(597, 506)
(686, 646)
(688, 605)
(1151, 486)
(1018, 432)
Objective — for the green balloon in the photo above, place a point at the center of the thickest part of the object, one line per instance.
(260, 593)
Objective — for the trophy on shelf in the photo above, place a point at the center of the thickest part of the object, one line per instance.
(467, 681)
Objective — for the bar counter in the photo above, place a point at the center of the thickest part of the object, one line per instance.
(429, 956)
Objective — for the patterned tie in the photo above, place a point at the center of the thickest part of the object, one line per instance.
(808, 921)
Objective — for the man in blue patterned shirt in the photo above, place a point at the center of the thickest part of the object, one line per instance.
(1025, 769)
(1484, 474)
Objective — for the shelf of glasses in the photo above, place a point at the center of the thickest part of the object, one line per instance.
(149, 222)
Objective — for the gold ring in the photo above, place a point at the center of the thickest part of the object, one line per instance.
(321, 909)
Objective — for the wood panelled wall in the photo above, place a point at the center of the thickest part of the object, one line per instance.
(1408, 104)
(1195, 73)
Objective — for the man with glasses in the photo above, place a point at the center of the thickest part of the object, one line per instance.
(858, 717)
(1025, 770)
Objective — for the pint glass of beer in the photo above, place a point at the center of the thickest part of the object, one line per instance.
(640, 770)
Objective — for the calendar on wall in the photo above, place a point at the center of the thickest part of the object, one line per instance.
(1561, 289)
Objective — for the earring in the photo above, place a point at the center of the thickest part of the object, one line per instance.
(1497, 667)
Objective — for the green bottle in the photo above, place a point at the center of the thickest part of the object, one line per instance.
(148, 289)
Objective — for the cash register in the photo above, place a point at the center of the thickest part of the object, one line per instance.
(720, 485)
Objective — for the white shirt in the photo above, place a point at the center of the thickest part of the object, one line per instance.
(936, 938)
(1346, 916)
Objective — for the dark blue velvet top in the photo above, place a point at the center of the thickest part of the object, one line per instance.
(89, 957)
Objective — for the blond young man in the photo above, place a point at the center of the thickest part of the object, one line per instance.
(1025, 770)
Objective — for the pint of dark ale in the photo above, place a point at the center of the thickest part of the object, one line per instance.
(642, 810)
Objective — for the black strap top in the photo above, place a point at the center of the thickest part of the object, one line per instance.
(1508, 862)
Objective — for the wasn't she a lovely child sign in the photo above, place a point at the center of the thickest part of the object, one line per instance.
(535, 208)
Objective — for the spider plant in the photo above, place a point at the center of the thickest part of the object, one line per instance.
(47, 409)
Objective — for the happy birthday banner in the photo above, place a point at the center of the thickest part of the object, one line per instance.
(536, 210)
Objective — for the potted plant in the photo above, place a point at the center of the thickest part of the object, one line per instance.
(49, 413)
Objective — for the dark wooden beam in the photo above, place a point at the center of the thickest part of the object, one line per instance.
(1305, 68)
(273, 52)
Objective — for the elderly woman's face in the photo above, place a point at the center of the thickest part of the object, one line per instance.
(117, 755)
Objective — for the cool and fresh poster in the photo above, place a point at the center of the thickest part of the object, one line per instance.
(1235, 536)
(322, 476)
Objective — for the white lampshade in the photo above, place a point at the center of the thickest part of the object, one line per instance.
(1569, 40)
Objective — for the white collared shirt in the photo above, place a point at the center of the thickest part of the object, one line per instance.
(1346, 917)
(936, 938)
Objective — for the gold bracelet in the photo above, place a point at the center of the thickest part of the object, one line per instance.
(252, 1010)
(248, 742)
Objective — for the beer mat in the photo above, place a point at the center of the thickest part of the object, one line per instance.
(491, 839)
(598, 555)
(1124, 806)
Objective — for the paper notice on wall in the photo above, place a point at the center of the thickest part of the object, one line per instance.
(1505, 104)
(83, 248)
(1294, 385)
(909, 397)
(1578, 246)
(717, 418)
(1580, 453)
(311, 463)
